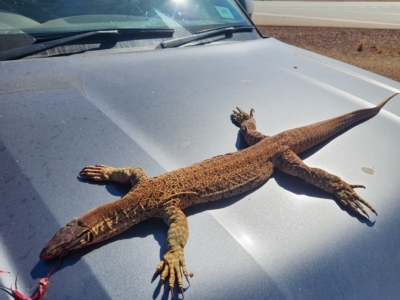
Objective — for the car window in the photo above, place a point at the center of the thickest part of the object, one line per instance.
(133, 24)
(37, 16)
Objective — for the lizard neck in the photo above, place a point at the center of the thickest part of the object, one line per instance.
(113, 218)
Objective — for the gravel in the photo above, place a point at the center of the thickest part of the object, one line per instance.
(375, 50)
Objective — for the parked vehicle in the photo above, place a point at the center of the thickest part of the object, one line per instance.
(152, 83)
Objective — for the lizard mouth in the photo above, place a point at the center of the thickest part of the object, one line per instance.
(71, 236)
(49, 252)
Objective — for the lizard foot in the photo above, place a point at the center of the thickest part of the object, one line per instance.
(238, 116)
(349, 198)
(97, 172)
(172, 266)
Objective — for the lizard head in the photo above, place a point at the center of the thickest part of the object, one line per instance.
(72, 236)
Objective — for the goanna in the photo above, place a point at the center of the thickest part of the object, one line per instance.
(167, 195)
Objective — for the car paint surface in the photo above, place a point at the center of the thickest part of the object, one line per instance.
(167, 109)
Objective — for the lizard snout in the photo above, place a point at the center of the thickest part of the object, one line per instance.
(71, 236)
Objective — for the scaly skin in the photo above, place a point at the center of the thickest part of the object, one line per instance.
(165, 196)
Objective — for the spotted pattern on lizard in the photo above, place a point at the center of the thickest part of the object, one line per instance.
(167, 195)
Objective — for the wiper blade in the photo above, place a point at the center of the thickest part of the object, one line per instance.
(123, 31)
(35, 48)
(204, 34)
(237, 28)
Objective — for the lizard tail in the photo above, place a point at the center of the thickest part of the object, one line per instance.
(383, 102)
(308, 136)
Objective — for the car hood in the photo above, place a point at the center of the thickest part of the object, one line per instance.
(167, 109)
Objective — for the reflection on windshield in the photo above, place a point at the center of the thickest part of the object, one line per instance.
(77, 15)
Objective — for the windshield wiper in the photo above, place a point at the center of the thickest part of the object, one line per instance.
(124, 32)
(204, 34)
(35, 48)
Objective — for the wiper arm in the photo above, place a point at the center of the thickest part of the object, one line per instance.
(204, 34)
(35, 48)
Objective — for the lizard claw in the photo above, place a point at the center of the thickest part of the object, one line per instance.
(349, 198)
(187, 279)
(357, 186)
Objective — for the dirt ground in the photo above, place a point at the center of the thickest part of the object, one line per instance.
(375, 50)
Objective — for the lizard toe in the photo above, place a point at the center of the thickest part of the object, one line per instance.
(237, 116)
(96, 173)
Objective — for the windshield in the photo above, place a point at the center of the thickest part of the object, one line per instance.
(36, 17)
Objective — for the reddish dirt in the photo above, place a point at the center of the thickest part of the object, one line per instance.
(375, 50)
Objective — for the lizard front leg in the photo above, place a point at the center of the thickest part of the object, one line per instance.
(173, 263)
(247, 125)
(105, 173)
(290, 163)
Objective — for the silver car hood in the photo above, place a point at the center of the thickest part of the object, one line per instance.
(167, 109)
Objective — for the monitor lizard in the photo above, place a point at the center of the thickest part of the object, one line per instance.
(167, 195)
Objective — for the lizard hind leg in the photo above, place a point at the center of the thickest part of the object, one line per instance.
(290, 163)
(124, 175)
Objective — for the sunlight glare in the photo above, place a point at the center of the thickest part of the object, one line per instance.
(246, 240)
